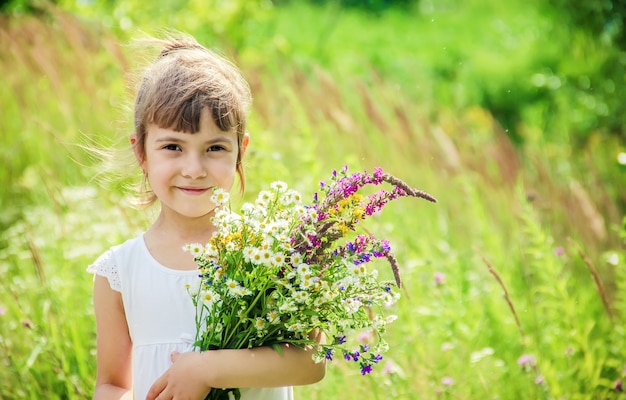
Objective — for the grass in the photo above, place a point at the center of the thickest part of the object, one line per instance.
(526, 239)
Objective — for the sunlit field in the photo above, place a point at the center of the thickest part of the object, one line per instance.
(513, 282)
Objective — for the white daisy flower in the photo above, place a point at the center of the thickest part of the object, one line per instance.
(273, 317)
(210, 298)
(278, 259)
(278, 186)
(259, 323)
(295, 258)
(194, 248)
(300, 296)
(306, 284)
(249, 252)
(303, 269)
(220, 196)
(266, 256)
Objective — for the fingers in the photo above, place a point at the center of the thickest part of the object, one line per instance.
(174, 356)
(157, 387)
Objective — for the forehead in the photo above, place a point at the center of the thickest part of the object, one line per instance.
(208, 130)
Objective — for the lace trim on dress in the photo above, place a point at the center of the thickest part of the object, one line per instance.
(105, 266)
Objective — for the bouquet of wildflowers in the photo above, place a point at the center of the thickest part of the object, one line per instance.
(279, 269)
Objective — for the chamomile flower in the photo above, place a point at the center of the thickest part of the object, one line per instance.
(295, 258)
(210, 298)
(273, 317)
(278, 186)
(220, 196)
(303, 269)
(266, 256)
(195, 249)
(278, 259)
(296, 327)
(232, 286)
(249, 252)
(264, 198)
(306, 284)
(260, 323)
(300, 296)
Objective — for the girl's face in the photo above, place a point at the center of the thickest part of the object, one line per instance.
(183, 168)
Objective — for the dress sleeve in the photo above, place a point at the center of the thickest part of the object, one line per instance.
(106, 266)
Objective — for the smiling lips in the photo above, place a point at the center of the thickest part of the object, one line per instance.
(192, 190)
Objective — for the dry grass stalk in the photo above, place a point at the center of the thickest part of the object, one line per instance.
(493, 272)
(596, 279)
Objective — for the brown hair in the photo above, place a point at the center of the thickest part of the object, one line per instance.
(183, 80)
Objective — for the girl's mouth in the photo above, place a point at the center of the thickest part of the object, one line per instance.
(192, 190)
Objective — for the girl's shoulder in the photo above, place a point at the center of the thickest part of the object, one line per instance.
(108, 264)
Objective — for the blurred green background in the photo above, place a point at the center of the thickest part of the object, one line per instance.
(511, 113)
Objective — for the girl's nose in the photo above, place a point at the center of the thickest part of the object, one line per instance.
(193, 168)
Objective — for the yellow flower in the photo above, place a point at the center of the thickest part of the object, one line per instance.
(358, 212)
(343, 228)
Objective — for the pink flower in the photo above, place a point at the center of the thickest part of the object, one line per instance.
(440, 278)
(526, 361)
(364, 337)
(390, 368)
(559, 251)
(447, 381)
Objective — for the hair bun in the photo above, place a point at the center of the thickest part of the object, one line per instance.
(179, 44)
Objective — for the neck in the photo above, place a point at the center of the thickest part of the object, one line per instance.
(180, 229)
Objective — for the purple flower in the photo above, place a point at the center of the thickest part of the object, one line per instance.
(347, 356)
(618, 386)
(355, 356)
(329, 354)
(366, 347)
(366, 369)
(341, 339)
(378, 358)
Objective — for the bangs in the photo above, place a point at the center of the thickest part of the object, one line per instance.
(174, 94)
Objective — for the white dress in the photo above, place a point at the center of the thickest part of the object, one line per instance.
(159, 312)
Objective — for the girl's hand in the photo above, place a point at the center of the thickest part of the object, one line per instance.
(184, 380)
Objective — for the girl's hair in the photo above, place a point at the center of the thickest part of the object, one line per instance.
(184, 79)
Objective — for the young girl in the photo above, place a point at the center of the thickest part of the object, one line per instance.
(190, 137)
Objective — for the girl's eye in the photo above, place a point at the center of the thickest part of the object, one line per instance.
(215, 148)
(173, 147)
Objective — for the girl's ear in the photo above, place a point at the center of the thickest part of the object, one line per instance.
(139, 155)
(244, 144)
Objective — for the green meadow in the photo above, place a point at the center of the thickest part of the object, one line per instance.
(509, 113)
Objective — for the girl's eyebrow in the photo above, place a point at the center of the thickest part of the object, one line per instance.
(168, 139)
(175, 139)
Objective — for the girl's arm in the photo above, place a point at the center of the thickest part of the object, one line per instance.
(196, 373)
(114, 346)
